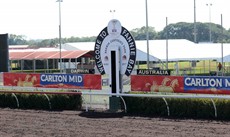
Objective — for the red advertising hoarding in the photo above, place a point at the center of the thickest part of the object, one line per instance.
(21, 79)
(156, 83)
(78, 81)
(181, 84)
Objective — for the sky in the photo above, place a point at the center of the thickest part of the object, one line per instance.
(39, 19)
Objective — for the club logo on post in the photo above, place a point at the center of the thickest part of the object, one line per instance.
(112, 36)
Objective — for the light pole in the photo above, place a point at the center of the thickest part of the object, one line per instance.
(147, 32)
(166, 43)
(210, 31)
(59, 1)
(222, 48)
(195, 31)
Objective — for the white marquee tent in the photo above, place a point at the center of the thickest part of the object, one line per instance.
(141, 55)
(178, 49)
(184, 50)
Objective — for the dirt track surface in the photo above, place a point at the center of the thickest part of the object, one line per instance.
(37, 123)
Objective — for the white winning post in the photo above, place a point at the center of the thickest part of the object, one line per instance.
(115, 70)
(115, 55)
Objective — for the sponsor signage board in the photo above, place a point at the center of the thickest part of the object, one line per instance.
(181, 84)
(80, 81)
(80, 71)
(152, 72)
(212, 83)
(65, 79)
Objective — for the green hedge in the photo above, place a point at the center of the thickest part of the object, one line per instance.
(32, 101)
(153, 107)
(179, 108)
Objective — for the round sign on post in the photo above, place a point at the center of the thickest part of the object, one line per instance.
(112, 36)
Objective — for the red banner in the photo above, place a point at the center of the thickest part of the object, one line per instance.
(92, 81)
(157, 83)
(21, 79)
(77, 81)
(180, 84)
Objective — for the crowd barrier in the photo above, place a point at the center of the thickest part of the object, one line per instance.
(156, 86)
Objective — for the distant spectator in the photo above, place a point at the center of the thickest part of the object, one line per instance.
(219, 66)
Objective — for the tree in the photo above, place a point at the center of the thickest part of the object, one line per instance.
(180, 30)
(140, 33)
(17, 39)
(183, 30)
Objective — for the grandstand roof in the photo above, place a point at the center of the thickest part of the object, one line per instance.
(31, 55)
